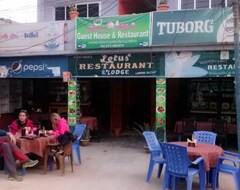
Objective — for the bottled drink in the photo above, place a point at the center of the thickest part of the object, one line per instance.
(23, 131)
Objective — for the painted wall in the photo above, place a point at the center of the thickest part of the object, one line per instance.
(136, 6)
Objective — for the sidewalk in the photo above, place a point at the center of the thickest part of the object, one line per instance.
(117, 163)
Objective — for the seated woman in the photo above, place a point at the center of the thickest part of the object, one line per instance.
(21, 122)
(59, 125)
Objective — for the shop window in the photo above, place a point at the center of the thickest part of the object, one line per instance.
(85, 10)
(213, 97)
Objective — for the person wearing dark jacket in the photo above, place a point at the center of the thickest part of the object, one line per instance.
(10, 153)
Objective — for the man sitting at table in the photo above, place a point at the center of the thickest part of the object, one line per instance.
(10, 152)
(59, 125)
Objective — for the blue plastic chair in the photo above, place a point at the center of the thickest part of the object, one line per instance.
(231, 166)
(207, 137)
(78, 131)
(178, 166)
(156, 154)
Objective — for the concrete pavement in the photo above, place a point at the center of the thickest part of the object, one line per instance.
(113, 164)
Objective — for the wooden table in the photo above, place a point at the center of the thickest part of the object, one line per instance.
(209, 152)
(35, 145)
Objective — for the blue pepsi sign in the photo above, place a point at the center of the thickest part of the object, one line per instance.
(33, 67)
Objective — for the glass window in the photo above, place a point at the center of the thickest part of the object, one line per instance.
(93, 10)
(82, 9)
(202, 4)
(85, 10)
(187, 4)
(229, 3)
(218, 3)
(60, 13)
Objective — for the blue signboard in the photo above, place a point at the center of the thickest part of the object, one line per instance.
(33, 67)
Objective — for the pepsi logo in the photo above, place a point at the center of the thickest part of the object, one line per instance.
(16, 67)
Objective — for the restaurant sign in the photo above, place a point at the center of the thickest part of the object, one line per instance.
(198, 26)
(199, 64)
(33, 67)
(127, 31)
(117, 65)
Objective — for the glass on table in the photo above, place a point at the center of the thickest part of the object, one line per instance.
(35, 131)
(23, 131)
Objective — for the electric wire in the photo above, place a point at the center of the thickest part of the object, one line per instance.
(70, 30)
(56, 37)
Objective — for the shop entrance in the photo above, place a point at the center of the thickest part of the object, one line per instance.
(121, 102)
(115, 102)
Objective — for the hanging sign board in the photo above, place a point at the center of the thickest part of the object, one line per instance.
(127, 31)
(117, 65)
(199, 64)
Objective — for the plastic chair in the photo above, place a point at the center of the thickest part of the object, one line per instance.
(155, 151)
(78, 131)
(206, 137)
(178, 166)
(228, 165)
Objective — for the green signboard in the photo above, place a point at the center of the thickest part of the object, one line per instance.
(198, 26)
(118, 65)
(199, 64)
(127, 31)
(73, 103)
(160, 108)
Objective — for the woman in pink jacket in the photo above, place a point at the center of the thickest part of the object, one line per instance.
(21, 122)
(59, 125)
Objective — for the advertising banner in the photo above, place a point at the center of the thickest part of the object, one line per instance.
(127, 31)
(198, 26)
(118, 65)
(160, 108)
(33, 67)
(198, 64)
(32, 37)
(72, 103)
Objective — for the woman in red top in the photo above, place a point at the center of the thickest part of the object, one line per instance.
(21, 122)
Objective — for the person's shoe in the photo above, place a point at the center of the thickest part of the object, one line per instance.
(15, 178)
(30, 163)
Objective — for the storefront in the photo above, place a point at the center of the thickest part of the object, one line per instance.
(24, 78)
(156, 55)
(128, 87)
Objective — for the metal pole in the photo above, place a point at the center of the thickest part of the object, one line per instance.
(237, 64)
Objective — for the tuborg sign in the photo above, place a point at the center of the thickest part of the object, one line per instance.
(192, 27)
